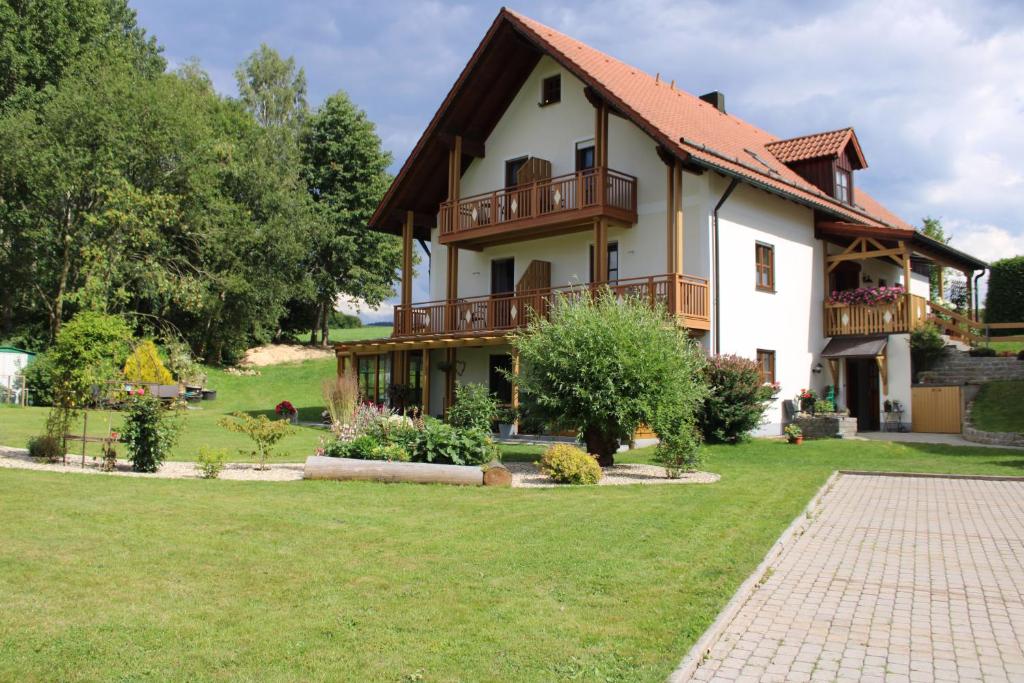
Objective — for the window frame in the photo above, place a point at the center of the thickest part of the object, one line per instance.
(770, 356)
(846, 185)
(613, 248)
(545, 100)
(767, 268)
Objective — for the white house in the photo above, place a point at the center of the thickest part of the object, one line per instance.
(565, 167)
(13, 362)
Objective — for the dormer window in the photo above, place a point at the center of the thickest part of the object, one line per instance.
(551, 90)
(843, 186)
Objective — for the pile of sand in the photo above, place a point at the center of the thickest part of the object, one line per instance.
(272, 354)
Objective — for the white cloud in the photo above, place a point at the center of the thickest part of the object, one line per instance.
(987, 242)
(367, 313)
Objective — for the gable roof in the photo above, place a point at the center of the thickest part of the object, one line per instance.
(817, 145)
(681, 123)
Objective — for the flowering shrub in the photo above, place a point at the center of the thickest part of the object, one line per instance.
(285, 409)
(736, 400)
(870, 296)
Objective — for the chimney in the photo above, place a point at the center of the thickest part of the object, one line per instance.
(715, 99)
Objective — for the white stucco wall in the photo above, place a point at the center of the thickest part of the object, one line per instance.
(12, 363)
(551, 133)
(788, 321)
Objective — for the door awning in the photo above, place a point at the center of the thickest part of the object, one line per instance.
(854, 347)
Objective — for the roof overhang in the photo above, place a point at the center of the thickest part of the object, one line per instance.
(376, 346)
(854, 347)
(920, 243)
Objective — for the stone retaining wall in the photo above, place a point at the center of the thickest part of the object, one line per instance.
(958, 367)
(833, 425)
(990, 438)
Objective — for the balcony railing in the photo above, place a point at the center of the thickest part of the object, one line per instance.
(684, 296)
(574, 197)
(852, 319)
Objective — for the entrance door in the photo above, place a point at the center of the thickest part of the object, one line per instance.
(862, 394)
(497, 382)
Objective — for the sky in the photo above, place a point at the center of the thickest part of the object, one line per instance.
(935, 90)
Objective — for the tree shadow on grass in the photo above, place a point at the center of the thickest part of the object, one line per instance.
(981, 455)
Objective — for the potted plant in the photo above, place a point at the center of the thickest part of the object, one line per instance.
(805, 399)
(794, 434)
(508, 422)
(287, 411)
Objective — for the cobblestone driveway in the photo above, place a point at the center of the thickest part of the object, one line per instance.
(897, 579)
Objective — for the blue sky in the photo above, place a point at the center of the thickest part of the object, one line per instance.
(934, 89)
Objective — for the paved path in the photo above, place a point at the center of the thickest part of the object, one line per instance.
(896, 579)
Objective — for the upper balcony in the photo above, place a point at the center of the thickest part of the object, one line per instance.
(541, 208)
(684, 296)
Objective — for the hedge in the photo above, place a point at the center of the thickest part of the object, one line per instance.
(1004, 302)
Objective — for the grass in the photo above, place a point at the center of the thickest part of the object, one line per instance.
(997, 407)
(346, 334)
(1000, 346)
(295, 382)
(105, 578)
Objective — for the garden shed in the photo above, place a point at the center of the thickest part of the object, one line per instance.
(12, 383)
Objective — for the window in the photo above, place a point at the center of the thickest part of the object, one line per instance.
(512, 167)
(766, 362)
(497, 381)
(584, 155)
(374, 378)
(613, 261)
(843, 186)
(551, 90)
(764, 255)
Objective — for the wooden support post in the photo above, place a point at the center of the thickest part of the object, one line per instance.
(407, 274)
(449, 377)
(425, 383)
(833, 367)
(600, 251)
(883, 372)
(941, 283)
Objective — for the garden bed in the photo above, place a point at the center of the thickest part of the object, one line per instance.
(525, 475)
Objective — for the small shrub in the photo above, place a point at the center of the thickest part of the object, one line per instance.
(144, 365)
(45, 447)
(264, 432)
(210, 462)
(442, 443)
(390, 452)
(679, 452)
(982, 352)
(109, 458)
(824, 406)
(569, 465)
(736, 399)
(378, 422)
(926, 346)
(149, 433)
(474, 408)
(183, 365)
(359, 448)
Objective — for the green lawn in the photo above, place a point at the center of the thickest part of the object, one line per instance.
(346, 334)
(295, 382)
(997, 407)
(1016, 347)
(108, 578)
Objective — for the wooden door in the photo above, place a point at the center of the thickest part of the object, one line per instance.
(936, 409)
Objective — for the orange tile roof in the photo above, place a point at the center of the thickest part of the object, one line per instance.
(810, 146)
(688, 125)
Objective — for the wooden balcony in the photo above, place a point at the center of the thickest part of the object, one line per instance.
(855, 319)
(546, 207)
(684, 296)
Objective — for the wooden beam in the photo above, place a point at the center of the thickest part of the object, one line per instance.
(425, 383)
(670, 221)
(470, 146)
(883, 372)
(515, 386)
(970, 293)
(865, 255)
(833, 368)
(452, 359)
(407, 274)
(677, 219)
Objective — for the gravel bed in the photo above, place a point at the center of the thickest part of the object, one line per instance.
(19, 458)
(526, 475)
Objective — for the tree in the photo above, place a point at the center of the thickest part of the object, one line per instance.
(605, 366)
(272, 88)
(1004, 301)
(932, 227)
(264, 432)
(41, 39)
(345, 173)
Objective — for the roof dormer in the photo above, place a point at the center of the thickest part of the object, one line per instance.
(826, 160)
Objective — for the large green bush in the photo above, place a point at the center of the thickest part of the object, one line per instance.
(1004, 302)
(736, 400)
(442, 443)
(474, 407)
(149, 433)
(604, 366)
